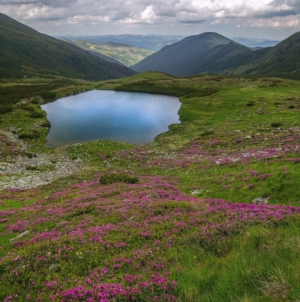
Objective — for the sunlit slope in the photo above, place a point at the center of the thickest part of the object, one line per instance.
(122, 53)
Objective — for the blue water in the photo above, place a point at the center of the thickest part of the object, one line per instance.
(120, 116)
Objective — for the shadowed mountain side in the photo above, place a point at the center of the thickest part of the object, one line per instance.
(185, 57)
(221, 59)
(26, 52)
(282, 60)
(213, 53)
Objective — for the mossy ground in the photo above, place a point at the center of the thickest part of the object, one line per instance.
(187, 230)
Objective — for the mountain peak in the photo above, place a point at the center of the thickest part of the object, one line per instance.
(193, 55)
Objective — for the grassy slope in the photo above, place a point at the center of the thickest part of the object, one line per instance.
(25, 52)
(190, 217)
(281, 60)
(204, 53)
(125, 54)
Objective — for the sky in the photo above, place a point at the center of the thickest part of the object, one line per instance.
(268, 19)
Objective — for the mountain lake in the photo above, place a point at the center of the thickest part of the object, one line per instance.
(110, 115)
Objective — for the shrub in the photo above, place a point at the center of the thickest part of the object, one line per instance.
(36, 114)
(108, 179)
(276, 124)
(6, 109)
(31, 135)
(48, 95)
(30, 155)
(206, 132)
(46, 124)
(292, 106)
(251, 103)
(31, 168)
(27, 108)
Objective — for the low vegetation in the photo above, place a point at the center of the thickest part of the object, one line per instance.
(171, 220)
(27, 53)
(125, 54)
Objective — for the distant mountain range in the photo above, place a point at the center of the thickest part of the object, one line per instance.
(255, 43)
(26, 52)
(151, 42)
(214, 53)
(116, 52)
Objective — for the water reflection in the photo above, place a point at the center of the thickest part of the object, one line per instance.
(120, 116)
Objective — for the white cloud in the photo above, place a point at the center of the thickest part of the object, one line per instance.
(254, 13)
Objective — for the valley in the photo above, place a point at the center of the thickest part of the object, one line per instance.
(125, 54)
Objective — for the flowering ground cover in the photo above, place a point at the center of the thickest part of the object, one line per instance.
(171, 220)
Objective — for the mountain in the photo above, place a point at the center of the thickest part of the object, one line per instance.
(213, 53)
(120, 53)
(204, 53)
(150, 42)
(26, 52)
(282, 60)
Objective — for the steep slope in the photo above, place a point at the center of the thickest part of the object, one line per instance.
(204, 53)
(282, 60)
(121, 53)
(26, 52)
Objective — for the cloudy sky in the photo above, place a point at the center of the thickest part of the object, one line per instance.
(271, 19)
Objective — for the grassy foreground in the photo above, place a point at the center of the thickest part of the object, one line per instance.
(171, 220)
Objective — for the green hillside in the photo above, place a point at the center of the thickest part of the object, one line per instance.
(282, 60)
(213, 53)
(205, 53)
(24, 53)
(125, 54)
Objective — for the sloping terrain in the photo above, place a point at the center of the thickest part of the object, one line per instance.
(25, 52)
(212, 53)
(282, 60)
(205, 53)
(209, 211)
(122, 53)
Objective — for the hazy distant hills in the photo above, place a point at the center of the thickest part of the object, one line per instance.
(151, 42)
(120, 53)
(26, 52)
(255, 43)
(213, 53)
(207, 52)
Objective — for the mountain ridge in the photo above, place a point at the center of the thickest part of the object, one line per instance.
(26, 52)
(213, 53)
(188, 56)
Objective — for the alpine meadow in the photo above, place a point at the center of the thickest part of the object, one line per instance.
(209, 211)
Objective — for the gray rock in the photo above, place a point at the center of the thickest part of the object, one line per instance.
(53, 267)
(261, 200)
(20, 236)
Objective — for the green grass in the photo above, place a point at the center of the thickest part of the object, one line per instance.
(256, 266)
(256, 262)
(125, 54)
